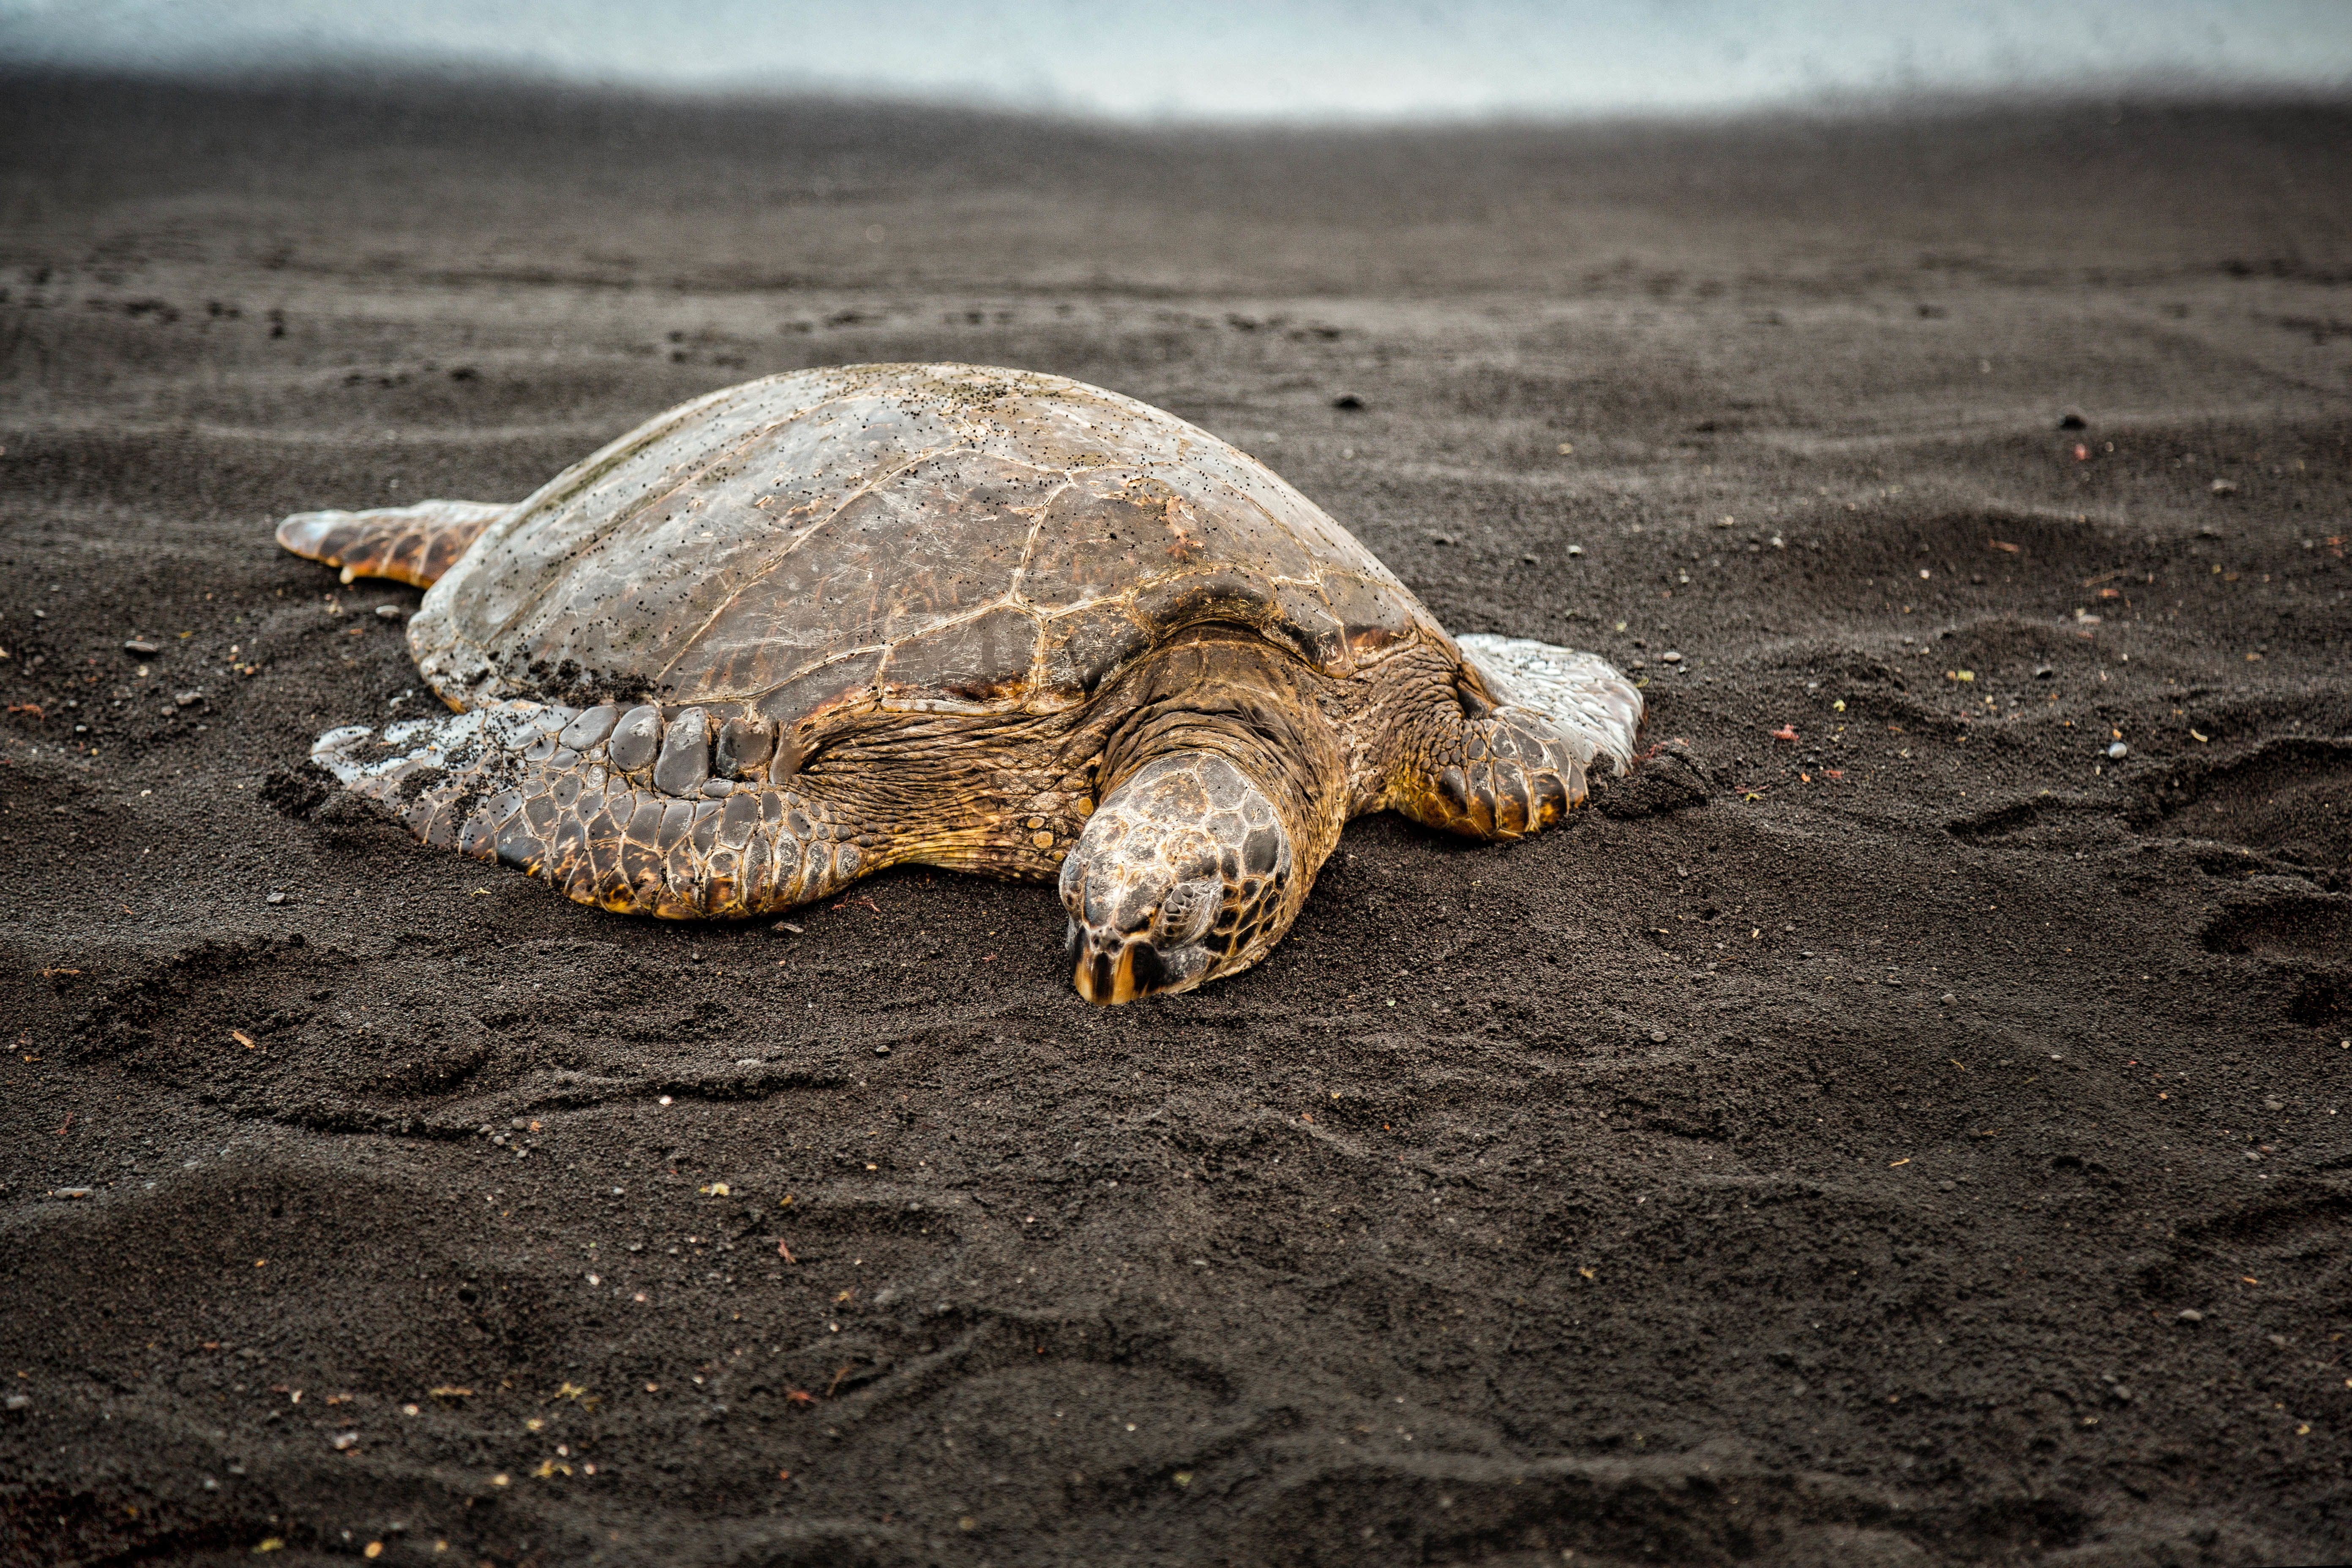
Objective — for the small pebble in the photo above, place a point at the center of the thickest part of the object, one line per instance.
(881, 1051)
(2253, 1158)
(187, 699)
(1576, 550)
(1657, 1037)
(2073, 420)
(2273, 1105)
(1348, 400)
(346, 1440)
(2117, 752)
(1950, 1000)
(71, 1192)
(390, 612)
(1670, 657)
(2225, 487)
(788, 926)
(277, 898)
(19, 1400)
(141, 646)
(2044, 672)
(2188, 1315)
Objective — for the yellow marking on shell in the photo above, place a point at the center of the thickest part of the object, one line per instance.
(1043, 840)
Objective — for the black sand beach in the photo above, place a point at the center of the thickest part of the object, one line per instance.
(1921, 1147)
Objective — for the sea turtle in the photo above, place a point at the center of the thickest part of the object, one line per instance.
(822, 623)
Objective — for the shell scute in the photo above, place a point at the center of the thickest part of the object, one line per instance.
(988, 658)
(836, 684)
(1370, 616)
(1087, 644)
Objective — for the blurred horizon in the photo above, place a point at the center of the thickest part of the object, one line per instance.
(1304, 62)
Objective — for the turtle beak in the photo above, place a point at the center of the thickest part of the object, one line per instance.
(1108, 975)
(1111, 970)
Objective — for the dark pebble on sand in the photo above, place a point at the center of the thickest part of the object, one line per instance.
(2073, 420)
(1348, 400)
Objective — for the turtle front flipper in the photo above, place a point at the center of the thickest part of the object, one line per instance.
(1508, 745)
(617, 807)
(412, 544)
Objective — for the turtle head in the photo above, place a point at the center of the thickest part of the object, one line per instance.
(1178, 877)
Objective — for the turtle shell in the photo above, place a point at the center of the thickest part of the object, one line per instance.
(898, 537)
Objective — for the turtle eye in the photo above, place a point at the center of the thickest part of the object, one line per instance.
(1184, 913)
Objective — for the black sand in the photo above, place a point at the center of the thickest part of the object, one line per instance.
(1925, 1149)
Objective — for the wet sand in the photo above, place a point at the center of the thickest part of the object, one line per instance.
(1922, 1149)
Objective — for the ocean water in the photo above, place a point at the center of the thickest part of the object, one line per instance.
(1217, 60)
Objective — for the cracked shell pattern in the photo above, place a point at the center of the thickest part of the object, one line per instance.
(898, 537)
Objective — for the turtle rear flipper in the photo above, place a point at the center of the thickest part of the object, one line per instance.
(412, 544)
(616, 809)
